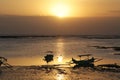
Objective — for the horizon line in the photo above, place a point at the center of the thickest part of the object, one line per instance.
(58, 17)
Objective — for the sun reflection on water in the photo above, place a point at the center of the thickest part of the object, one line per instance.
(60, 58)
(60, 50)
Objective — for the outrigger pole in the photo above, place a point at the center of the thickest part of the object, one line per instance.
(88, 55)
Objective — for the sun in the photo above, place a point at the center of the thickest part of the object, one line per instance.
(60, 10)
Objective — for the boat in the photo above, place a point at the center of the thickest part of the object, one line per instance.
(83, 63)
(89, 62)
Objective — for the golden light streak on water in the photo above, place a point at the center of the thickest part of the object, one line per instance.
(60, 58)
(60, 50)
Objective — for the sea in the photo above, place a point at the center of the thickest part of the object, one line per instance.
(31, 50)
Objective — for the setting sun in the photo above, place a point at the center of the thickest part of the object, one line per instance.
(60, 10)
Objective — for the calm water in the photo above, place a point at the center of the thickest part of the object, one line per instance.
(31, 51)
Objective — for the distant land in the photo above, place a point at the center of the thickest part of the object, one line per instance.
(80, 36)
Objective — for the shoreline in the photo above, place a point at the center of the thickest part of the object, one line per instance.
(61, 73)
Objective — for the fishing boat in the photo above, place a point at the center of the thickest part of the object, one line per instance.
(89, 62)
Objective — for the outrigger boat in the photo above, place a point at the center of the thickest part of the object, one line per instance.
(89, 62)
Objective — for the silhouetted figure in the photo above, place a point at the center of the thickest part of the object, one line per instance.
(48, 58)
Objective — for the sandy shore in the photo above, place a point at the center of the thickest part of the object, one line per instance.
(63, 73)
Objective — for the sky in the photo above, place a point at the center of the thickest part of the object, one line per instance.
(78, 8)
(73, 17)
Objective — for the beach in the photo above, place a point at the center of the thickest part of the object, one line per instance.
(21, 53)
(59, 39)
(62, 73)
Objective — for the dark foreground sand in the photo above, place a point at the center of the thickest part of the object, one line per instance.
(63, 73)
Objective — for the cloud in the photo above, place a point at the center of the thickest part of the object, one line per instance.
(18, 25)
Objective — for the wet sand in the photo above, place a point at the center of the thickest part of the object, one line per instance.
(61, 73)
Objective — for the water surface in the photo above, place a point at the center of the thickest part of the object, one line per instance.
(31, 50)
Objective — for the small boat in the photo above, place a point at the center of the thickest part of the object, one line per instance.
(83, 63)
(89, 62)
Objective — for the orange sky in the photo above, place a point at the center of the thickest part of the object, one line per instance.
(92, 17)
(77, 8)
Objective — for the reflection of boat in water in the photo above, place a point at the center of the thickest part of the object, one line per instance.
(89, 62)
